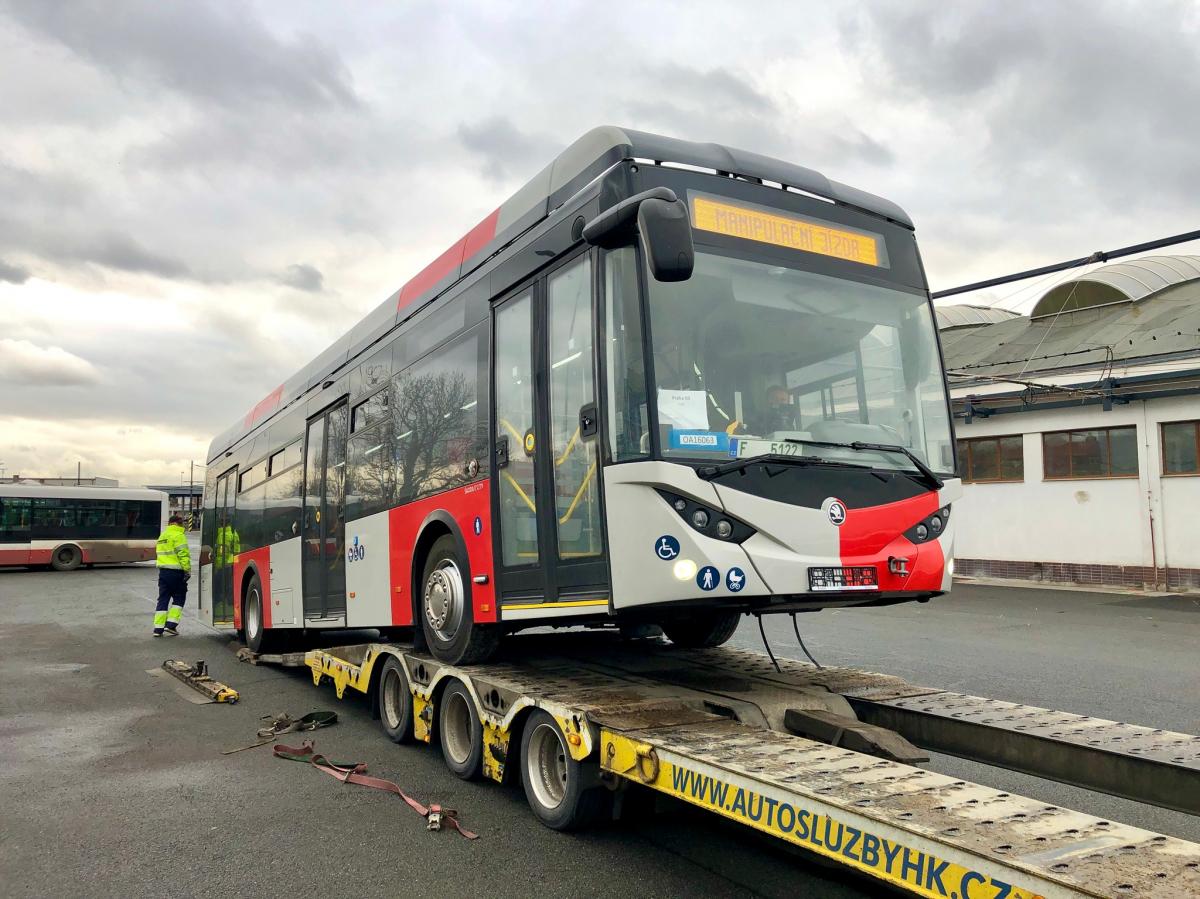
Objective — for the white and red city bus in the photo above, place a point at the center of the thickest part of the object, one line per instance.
(66, 527)
(665, 382)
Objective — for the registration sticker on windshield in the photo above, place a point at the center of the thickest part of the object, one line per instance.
(745, 447)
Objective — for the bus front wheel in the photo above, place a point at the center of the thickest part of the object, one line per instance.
(66, 558)
(447, 618)
(702, 630)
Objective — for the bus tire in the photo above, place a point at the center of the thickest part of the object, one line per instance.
(460, 731)
(702, 630)
(67, 557)
(563, 793)
(447, 618)
(258, 638)
(394, 701)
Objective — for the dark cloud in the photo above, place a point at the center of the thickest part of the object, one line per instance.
(1073, 110)
(211, 52)
(14, 274)
(503, 147)
(722, 89)
(303, 277)
(119, 251)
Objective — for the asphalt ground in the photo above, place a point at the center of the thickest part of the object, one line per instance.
(112, 784)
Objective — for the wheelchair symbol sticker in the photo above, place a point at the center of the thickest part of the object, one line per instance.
(478, 525)
(735, 580)
(666, 547)
(707, 578)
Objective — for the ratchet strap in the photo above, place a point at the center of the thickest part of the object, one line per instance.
(356, 773)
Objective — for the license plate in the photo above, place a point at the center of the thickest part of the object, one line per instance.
(851, 577)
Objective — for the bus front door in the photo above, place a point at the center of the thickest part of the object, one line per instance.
(323, 544)
(551, 548)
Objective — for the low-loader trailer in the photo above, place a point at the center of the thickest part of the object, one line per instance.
(822, 758)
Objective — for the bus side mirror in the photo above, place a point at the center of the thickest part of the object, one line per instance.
(660, 222)
(666, 235)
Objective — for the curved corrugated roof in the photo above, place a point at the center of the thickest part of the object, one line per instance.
(1121, 282)
(962, 315)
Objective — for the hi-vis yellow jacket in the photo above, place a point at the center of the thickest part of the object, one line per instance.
(173, 549)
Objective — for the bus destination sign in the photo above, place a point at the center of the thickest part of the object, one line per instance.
(810, 235)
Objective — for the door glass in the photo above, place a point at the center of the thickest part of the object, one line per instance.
(314, 472)
(577, 506)
(333, 516)
(224, 549)
(514, 424)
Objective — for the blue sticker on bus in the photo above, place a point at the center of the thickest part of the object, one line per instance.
(709, 441)
(666, 547)
(735, 580)
(708, 578)
(478, 525)
(733, 442)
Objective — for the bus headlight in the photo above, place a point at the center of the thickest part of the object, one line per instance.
(929, 528)
(685, 569)
(707, 520)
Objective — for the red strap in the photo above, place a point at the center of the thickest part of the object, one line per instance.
(357, 774)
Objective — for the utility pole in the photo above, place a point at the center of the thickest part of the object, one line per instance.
(191, 492)
(78, 473)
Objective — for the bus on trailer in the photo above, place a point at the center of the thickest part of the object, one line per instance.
(66, 527)
(665, 382)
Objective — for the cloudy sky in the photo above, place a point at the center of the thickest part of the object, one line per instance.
(195, 198)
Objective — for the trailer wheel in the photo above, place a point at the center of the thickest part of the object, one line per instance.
(563, 793)
(258, 638)
(66, 557)
(447, 618)
(460, 731)
(395, 701)
(702, 630)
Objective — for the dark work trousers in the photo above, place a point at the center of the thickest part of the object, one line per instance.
(172, 594)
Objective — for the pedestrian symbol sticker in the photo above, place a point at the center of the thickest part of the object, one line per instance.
(478, 525)
(735, 580)
(666, 547)
(707, 578)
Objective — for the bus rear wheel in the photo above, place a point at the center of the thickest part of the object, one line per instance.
(67, 557)
(563, 793)
(702, 630)
(447, 619)
(258, 638)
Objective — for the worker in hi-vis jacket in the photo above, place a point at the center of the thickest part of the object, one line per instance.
(174, 569)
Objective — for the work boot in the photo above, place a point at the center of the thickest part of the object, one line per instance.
(157, 632)
(170, 632)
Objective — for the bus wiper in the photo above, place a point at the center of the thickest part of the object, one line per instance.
(709, 472)
(927, 473)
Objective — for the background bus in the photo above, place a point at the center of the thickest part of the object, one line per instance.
(66, 527)
(664, 382)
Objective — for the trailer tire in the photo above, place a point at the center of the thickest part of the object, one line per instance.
(258, 638)
(702, 630)
(563, 793)
(395, 702)
(460, 731)
(67, 557)
(444, 607)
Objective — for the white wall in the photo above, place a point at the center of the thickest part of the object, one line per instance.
(1103, 521)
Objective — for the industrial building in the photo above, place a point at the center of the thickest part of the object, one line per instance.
(1078, 429)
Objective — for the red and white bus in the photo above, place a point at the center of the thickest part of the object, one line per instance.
(66, 527)
(665, 382)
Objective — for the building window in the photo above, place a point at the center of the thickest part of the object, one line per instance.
(1181, 447)
(986, 459)
(1094, 453)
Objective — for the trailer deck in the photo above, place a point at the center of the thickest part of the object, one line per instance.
(716, 728)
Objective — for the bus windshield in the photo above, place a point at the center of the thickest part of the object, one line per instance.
(752, 358)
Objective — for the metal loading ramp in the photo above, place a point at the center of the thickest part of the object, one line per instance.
(710, 727)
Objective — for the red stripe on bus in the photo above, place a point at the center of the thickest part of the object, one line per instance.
(430, 276)
(869, 536)
(14, 556)
(261, 557)
(268, 403)
(39, 556)
(464, 505)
